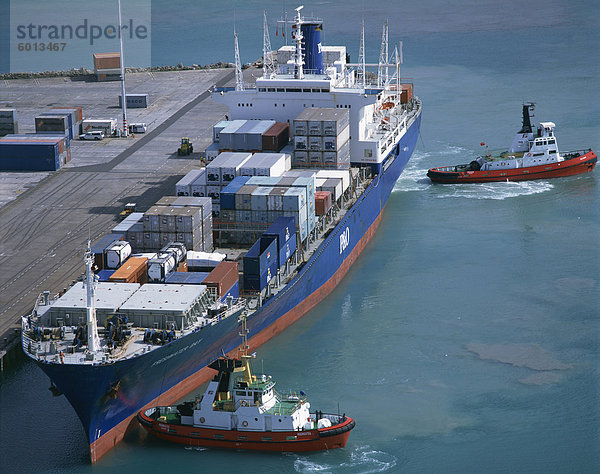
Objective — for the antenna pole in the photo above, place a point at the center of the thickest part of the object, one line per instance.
(382, 73)
(268, 64)
(124, 97)
(299, 74)
(90, 282)
(361, 56)
(239, 78)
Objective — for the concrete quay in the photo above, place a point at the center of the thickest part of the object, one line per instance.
(46, 219)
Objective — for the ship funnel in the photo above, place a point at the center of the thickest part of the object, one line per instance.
(311, 47)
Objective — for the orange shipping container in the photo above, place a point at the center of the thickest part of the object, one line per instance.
(322, 202)
(107, 60)
(134, 270)
(222, 277)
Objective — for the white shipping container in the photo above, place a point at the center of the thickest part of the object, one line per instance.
(300, 143)
(159, 267)
(117, 253)
(211, 152)
(107, 125)
(204, 259)
(218, 128)
(182, 188)
(343, 174)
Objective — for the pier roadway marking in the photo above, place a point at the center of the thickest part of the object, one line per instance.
(44, 230)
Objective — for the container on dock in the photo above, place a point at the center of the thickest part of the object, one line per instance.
(249, 136)
(107, 61)
(132, 223)
(223, 277)
(52, 123)
(260, 256)
(70, 121)
(136, 101)
(79, 115)
(322, 202)
(8, 122)
(160, 266)
(276, 137)
(116, 254)
(134, 270)
(108, 126)
(29, 155)
(182, 188)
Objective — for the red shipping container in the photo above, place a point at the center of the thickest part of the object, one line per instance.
(222, 277)
(407, 93)
(67, 107)
(276, 137)
(134, 270)
(322, 202)
(107, 60)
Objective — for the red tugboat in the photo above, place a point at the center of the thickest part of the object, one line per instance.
(532, 155)
(240, 410)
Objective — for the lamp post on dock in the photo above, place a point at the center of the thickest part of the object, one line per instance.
(125, 131)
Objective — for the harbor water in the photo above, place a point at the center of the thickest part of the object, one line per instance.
(466, 336)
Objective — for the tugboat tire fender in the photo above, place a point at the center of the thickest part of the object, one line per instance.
(244, 423)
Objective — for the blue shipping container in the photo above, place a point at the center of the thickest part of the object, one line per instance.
(258, 283)
(287, 251)
(282, 229)
(186, 278)
(29, 156)
(102, 244)
(104, 275)
(234, 291)
(260, 256)
(228, 192)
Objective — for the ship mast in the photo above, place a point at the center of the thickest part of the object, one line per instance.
(361, 57)
(382, 73)
(93, 340)
(244, 350)
(239, 78)
(268, 63)
(298, 37)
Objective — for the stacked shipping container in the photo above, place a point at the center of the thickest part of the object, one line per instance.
(8, 122)
(322, 138)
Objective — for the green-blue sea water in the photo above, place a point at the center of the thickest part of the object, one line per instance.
(466, 336)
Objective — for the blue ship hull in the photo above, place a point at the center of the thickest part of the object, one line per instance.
(106, 397)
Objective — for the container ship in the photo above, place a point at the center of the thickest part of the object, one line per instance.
(294, 188)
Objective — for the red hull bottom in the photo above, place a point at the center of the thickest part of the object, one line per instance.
(570, 167)
(113, 437)
(277, 441)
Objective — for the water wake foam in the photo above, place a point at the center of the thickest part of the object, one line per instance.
(363, 459)
(414, 178)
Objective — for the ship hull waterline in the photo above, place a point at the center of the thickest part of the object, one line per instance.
(572, 167)
(321, 439)
(107, 397)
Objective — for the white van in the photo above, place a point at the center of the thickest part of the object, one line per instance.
(92, 135)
